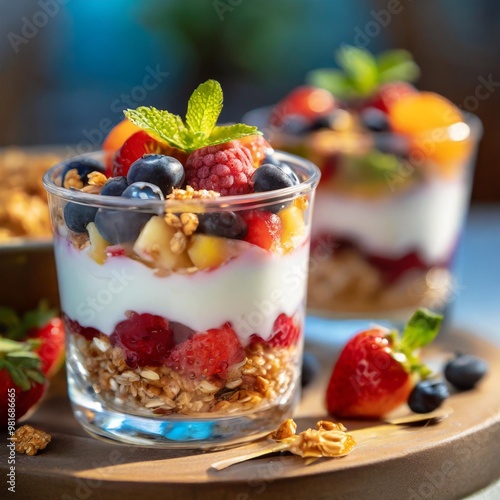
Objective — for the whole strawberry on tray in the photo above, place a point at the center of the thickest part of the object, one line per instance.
(378, 369)
(31, 352)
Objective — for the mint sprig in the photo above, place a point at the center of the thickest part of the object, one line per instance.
(361, 73)
(199, 128)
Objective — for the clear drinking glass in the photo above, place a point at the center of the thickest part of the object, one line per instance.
(195, 343)
(388, 216)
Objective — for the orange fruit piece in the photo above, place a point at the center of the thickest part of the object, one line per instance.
(428, 118)
(258, 148)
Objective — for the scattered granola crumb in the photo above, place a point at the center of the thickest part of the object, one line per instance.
(30, 440)
(329, 439)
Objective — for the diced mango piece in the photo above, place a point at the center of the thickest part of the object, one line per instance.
(208, 251)
(294, 227)
(98, 244)
(153, 245)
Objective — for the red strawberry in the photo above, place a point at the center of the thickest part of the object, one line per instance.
(208, 353)
(133, 148)
(286, 332)
(305, 101)
(51, 349)
(389, 93)
(22, 383)
(373, 374)
(146, 339)
(264, 229)
(42, 326)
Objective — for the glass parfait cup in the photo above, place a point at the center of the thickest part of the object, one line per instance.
(177, 338)
(388, 217)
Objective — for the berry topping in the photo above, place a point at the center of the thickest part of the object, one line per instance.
(164, 171)
(264, 229)
(83, 167)
(143, 191)
(226, 168)
(307, 102)
(145, 338)
(77, 216)
(270, 177)
(375, 120)
(118, 226)
(427, 395)
(135, 147)
(73, 326)
(465, 371)
(389, 94)
(207, 353)
(114, 186)
(286, 332)
(225, 224)
(115, 139)
(270, 159)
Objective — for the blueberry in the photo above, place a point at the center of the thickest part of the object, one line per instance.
(84, 167)
(320, 123)
(225, 224)
(163, 171)
(78, 216)
(427, 395)
(114, 186)
(270, 177)
(271, 159)
(375, 120)
(143, 191)
(465, 371)
(120, 226)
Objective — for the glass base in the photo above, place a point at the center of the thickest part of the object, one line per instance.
(176, 431)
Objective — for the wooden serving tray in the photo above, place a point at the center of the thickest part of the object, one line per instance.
(448, 460)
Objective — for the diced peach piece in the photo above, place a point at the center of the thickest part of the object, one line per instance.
(153, 245)
(98, 244)
(428, 117)
(208, 251)
(294, 228)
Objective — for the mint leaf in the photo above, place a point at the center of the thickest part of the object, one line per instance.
(397, 65)
(227, 133)
(161, 125)
(332, 80)
(360, 68)
(420, 330)
(204, 108)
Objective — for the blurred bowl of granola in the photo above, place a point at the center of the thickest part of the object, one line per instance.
(27, 267)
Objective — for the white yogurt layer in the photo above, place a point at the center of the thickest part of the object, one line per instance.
(250, 291)
(427, 220)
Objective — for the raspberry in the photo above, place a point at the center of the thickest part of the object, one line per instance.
(286, 332)
(146, 339)
(226, 168)
(207, 353)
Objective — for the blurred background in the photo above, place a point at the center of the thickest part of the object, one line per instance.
(69, 67)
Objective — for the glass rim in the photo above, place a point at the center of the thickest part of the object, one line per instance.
(311, 175)
(260, 117)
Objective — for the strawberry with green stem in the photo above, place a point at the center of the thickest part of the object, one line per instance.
(377, 369)
(41, 325)
(22, 382)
